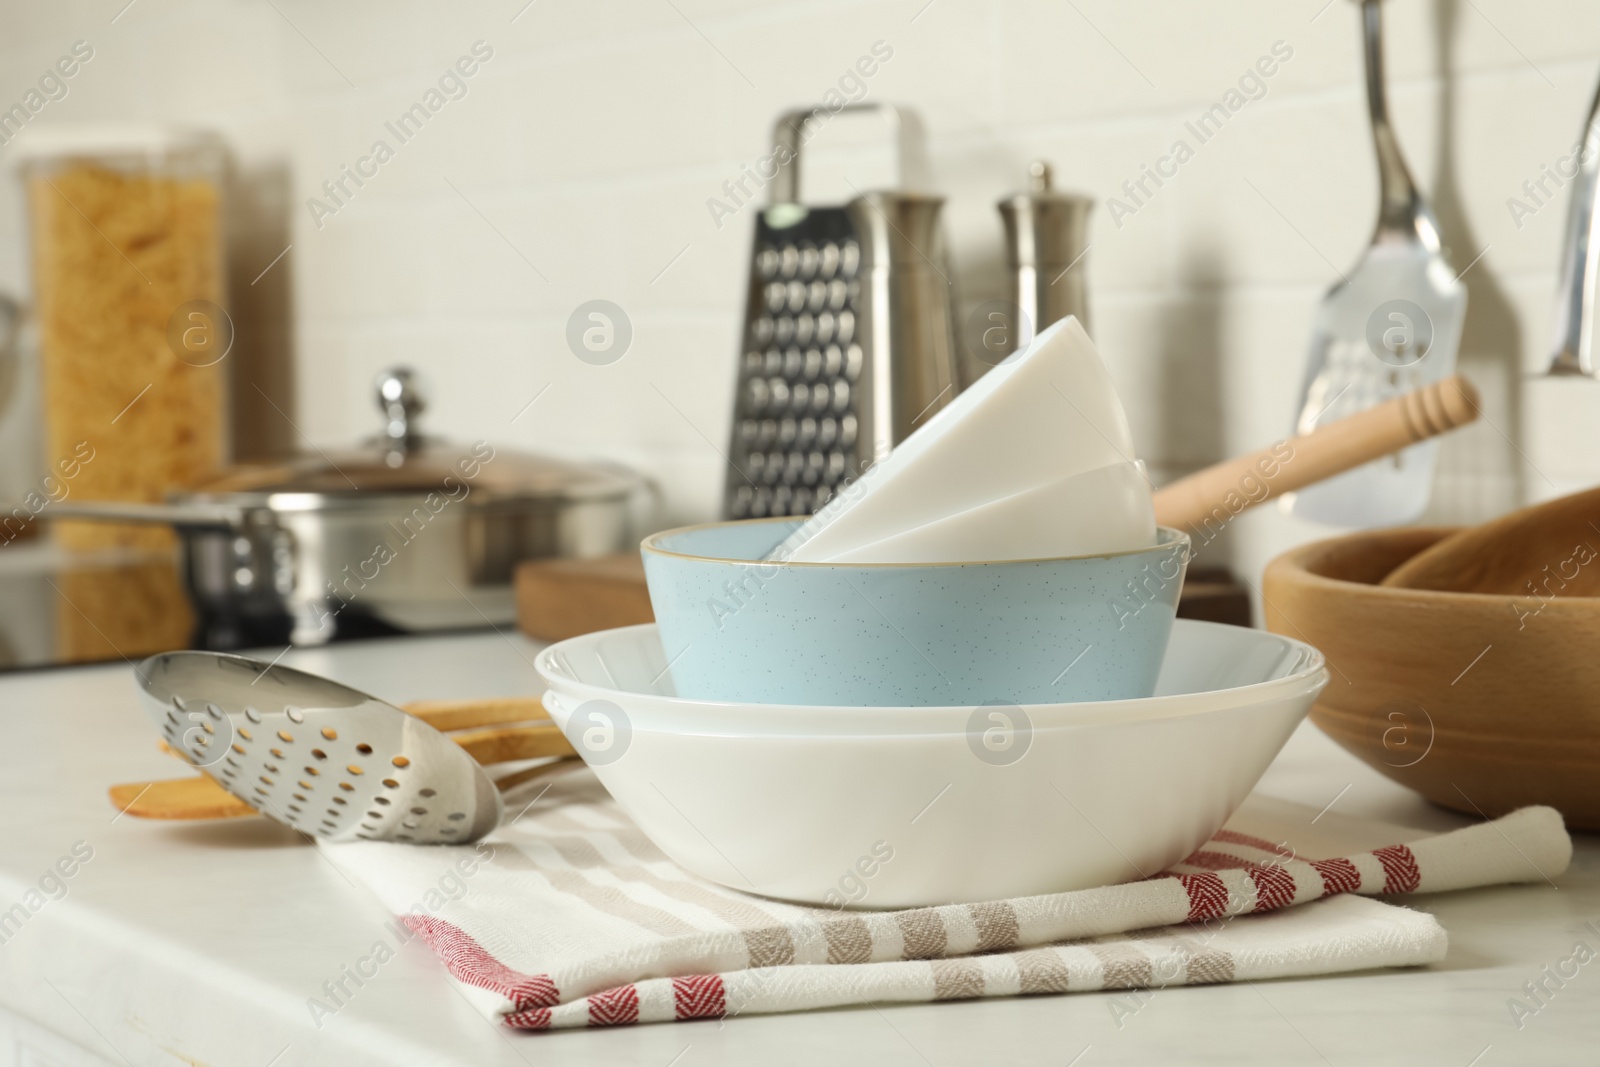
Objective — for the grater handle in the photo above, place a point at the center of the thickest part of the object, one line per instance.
(788, 138)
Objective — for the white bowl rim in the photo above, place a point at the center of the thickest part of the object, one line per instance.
(1306, 692)
(1167, 538)
(1310, 670)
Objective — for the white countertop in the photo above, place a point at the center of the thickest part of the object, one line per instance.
(200, 944)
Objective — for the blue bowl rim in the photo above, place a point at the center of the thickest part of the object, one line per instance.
(1166, 538)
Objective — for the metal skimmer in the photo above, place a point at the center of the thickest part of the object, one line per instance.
(315, 755)
(1391, 326)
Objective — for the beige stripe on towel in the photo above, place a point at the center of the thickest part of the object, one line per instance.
(956, 979)
(1124, 966)
(924, 934)
(1042, 970)
(849, 940)
(997, 926)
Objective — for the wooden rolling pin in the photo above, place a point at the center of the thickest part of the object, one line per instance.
(1205, 500)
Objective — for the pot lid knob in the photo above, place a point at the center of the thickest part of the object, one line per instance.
(400, 400)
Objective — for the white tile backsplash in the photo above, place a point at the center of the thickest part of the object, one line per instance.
(586, 149)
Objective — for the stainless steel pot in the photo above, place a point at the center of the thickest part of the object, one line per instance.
(404, 534)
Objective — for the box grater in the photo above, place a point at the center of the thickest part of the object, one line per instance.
(847, 342)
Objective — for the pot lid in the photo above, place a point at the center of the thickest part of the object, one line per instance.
(402, 461)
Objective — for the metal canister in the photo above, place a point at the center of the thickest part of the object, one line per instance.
(1047, 239)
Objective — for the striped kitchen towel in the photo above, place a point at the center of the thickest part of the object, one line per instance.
(569, 916)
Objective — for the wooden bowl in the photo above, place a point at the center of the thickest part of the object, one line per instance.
(1481, 703)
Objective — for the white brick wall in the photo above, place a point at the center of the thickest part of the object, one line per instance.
(593, 138)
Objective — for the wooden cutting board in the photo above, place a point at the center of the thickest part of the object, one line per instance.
(562, 598)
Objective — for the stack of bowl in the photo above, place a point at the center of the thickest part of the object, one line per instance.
(906, 735)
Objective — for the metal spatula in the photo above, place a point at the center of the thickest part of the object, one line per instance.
(315, 755)
(1392, 325)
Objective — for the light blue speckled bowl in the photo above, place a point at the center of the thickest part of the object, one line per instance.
(1042, 631)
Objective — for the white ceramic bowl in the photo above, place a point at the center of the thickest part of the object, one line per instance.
(1047, 412)
(903, 807)
(1108, 509)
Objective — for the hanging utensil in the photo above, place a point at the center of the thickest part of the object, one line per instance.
(1392, 326)
(1575, 298)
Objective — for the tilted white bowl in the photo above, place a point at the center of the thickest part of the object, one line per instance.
(1108, 509)
(903, 807)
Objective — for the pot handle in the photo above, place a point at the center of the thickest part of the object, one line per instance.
(225, 516)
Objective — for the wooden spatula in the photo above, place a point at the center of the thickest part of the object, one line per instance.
(1547, 550)
(202, 798)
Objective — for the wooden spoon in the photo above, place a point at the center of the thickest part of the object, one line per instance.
(202, 798)
(1547, 550)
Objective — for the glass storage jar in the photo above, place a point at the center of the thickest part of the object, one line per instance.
(125, 227)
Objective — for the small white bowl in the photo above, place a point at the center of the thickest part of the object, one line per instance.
(1108, 509)
(906, 807)
(1047, 412)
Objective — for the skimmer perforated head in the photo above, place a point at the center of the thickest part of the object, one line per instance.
(316, 755)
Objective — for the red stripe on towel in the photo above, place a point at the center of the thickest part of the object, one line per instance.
(1218, 861)
(1234, 837)
(1338, 876)
(1400, 873)
(615, 1007)
(699, 996)
(1274, 887)
(472, 963)
(1208, 897)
